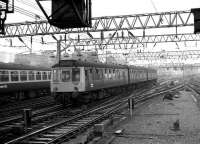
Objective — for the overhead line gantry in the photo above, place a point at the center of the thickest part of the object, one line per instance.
(103, 24)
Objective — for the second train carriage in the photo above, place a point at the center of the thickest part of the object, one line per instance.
(23, 81)
(74, 79)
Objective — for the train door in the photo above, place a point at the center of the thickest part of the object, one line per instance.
(87, 71)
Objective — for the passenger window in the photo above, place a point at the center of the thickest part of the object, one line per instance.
(38, 75)
(105, 74)
(14, 76)
(55, 75)
(65, 76)
(75, 74)
(119, 75)
(44, 75)
(23, 75)
(4, 76)
(49, 75)
(31, 75)
(86, 74)
(101, 73)
(97, 74)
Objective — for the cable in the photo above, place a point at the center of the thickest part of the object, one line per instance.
(27, 13)
(31, 4)
(154, 6)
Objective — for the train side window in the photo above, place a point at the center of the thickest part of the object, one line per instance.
(110, 74)
(75, 74)
(23, 75)
(4, 76)
(65, 76)
(113, 74)
(101, 73)
(14, 76)
(119, 77)
(38, 75)
(106, 74)
(44, 75)
(97, 74)
(49, 75)
(31, 75)
(55, 75)
(86, 75)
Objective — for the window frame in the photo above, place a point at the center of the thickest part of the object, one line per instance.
(3, 77)
(16, 78)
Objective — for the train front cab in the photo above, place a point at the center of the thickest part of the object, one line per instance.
(67, 82)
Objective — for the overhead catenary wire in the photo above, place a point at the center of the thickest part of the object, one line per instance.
(154, 6)
(27, 12)
(32, 4)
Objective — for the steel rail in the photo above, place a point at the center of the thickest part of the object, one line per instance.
(79, 116)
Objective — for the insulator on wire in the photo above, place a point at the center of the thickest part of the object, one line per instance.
(78, 38)
(42, 40)
(102, 35)
(143, 32)
(31, 40)
(65, 37)
(11, 44)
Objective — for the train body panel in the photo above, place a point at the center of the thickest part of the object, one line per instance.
(25, 86)
(17, 78)
(107, 78)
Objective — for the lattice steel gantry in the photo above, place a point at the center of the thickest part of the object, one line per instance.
(103, 24)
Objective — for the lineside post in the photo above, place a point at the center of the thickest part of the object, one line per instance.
(27, 118)
(131, 106)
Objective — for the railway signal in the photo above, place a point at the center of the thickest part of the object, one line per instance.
(196, 13)
(68, 13)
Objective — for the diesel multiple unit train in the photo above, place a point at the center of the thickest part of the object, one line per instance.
(23, 81)
(71, 80)
(75, 80)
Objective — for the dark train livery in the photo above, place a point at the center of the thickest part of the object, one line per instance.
(80, 80)
(23, 81)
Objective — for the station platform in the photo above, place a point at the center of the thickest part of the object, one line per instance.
(156, 121)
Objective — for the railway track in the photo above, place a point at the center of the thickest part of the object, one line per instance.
(43, 118)
(16, 108)
(68, 127)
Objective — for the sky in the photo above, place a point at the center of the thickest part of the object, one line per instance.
(124, 7)
(111, 7)
(101, 8)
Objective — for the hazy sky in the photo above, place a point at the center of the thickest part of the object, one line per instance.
(121, 7)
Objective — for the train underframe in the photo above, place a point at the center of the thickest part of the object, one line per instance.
(77, 98)
(20, 95)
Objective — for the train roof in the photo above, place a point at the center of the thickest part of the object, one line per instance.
(13, 66)
(78, 63)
